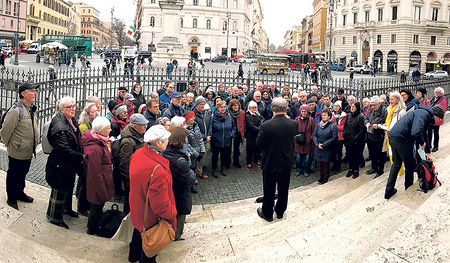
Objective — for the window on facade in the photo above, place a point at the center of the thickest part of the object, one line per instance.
(354, 40)
(378, 39)
(194, 23)
(3, 22)
(89, 19)
(225, 3)
(195, 2)
(355, 18)
(235, 4)
(394, 12)
(152, 21)
(433, 40)
(234, 26)
(209, 3)
(366, 16)
(416, 39)
(417, 11)
(380, 14)
(39, 30)
(1, 6)
(434, 15)
(84, 11)
(208, 24)
(344, 20)
(153, 1)
(343, 41)
(181, 22)
(89, 10)
(224, 26)
(8, 7)
(448, 41)
(345, 2)
(82, 25)
(393, 38)
(40, 13)
(12, 23)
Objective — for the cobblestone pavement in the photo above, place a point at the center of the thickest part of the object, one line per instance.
(238, 184)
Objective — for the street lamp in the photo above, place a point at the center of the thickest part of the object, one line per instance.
(331, 26)
(228, 33)
(16, 58)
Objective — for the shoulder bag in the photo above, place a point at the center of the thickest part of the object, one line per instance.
(158, 236)
(301, 137)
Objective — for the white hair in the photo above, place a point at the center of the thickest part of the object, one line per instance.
(271, 83)
(84, 116)
(156, 133)
(376, 99)
(177, 121)
(100, 124)
(93, 99)
(351, 96)
(441, 90)
(66, 101)
(366, 99)
(302, 92)
(190, 94)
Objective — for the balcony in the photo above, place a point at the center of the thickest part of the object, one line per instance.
(364, 25)
(436, 26)
(33, 20)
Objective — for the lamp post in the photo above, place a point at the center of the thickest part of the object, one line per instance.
(110, 28)
(228, 33)
(16, 58)
(331, 26)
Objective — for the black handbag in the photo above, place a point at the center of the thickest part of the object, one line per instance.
(301, 137)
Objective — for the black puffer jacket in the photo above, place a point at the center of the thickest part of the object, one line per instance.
(65, 159)
(354, 129)
(252, 124)
(127, 148)
(183, 179)
(139, 99)
(376, 117)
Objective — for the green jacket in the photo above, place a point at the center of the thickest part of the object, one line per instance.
(21, 137)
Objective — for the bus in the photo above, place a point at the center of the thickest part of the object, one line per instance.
(272, 63)
(299, 59)
(75, 44)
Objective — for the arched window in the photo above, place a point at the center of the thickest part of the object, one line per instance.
(208, 24)
(224, 26)
(152, 21)
(209, 3)
(194, 23)
(181, 22)
(235, 2)
(234, 26)
(225, 3)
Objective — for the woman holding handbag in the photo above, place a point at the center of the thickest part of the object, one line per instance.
(150, 190)
(304, 147)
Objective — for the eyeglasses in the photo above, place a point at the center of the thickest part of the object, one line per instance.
(222, 107)
(71, 107)
(254, 107)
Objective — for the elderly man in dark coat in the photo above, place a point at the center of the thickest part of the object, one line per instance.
(275, 139)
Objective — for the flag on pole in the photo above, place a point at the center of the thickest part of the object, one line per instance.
(131, 30)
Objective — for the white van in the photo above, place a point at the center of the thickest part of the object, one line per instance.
(34, 48)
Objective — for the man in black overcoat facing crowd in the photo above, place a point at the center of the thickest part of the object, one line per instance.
(275, 139)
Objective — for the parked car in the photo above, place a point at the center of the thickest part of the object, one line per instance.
(130, 54)
(205, 56)
(145, 54)
(437, 74)
(247, 60)
(338, 67)
(9, 51)
(361, 69)
(34, 48)
(236, 58)
(220, 58)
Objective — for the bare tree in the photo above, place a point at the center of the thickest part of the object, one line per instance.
(72, 27)
(272, 48)
(129, 41)
(280, 48)
(118, 29)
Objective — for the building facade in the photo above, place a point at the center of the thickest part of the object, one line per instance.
(49, 17)
(319, 26)
(293, 38)
(75, 19)
(90, 23)
(13, 14)
(204, 26)
(304, 29)
(259, 35)
(392, 35)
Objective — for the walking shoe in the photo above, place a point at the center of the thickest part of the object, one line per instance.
(238, 165)
(60, 224)
(306, 174)
(388, 195)
(26, 198)
(71, 213)
(377, 175)
(249, 166)
(322, 182)
(261, 214)
(435, 149)
(350, 173)
(300, 173)
(371, 171)
(222, 171)
(13, 205)
(258, 164)
(355, 175)
(213, 173)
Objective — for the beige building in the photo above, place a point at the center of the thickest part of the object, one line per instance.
(309, 35)
(47, 17)
(319, 26)
(304, 38)
(293, 38)
(260, 39)
(392, 35)
(90, 23)
(74, 25)
(203, 26)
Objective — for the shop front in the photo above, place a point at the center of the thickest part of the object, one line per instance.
(430, 63)
(445, 62)
(415, 60)
(343, 58)
(392, 59)
(377, 60)
(354, 59)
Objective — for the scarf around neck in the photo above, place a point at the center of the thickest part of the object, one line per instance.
(235, 114)
(222, 116)
(323, 124)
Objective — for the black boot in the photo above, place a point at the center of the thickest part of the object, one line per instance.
(350, 173)
(222, 171)
(213, 173)
(355, 174)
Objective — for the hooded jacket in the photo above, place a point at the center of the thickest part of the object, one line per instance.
(317, 114)
(210, 102)
(139, 99)
(204, 123)
(195, 138)
(99, 178)
(327, 137)
(127, 148)
(222, 131)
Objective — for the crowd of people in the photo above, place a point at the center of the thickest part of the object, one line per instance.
(157, 145)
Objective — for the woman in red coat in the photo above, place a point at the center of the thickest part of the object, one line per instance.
(234, 108)
(99, 180)
(161, 199)
(303, 152)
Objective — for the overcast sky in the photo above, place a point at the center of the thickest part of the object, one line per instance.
(279, 15)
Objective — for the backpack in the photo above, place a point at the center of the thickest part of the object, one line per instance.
(115, 152)
(46, 147)
(427, 174)
(16, 104)
(110, 222)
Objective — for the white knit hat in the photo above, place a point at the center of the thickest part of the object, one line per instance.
(156, 132)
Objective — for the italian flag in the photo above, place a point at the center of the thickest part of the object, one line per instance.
(130, 30)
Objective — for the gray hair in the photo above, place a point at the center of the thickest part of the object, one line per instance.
(93, 99)
(251, 104)
(84, 116)
(351, 96)
(177, 121)
(383, 97)
(441, 90)
(190, 94)
(302, 92)
(161, 121)
(366, 99)
(100, 124)
(376, 99)
(66, 101)
(279, 105)
(154, 93)
(259, 92)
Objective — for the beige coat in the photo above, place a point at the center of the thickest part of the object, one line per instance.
(20, 137)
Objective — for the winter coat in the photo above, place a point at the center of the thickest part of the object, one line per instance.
(268, 103)
(412, 102)
(21, 137)
(182, 177)
(139, 99)
(241, 103)
(340, 122)
(117, 126)
(210, 102)
(151, 118)
(308, 146)
(354, 131)
(65, 159)
(263, 109)
(99, 176)
(222, 131)
(161, 200)
(327, 136)
(239, 122)
(173, 111)
(275, 140)
(296, 109)
(425, 101)
(317, 114)
(413, 127)
(274, 94)
(127, 148)
(344, 101)
(253, 123)
(165, 99)
(84, 127)
(195, 138)
(204, 123)
(443, 102)
(375, 117)
(190, 106)
(223, 95)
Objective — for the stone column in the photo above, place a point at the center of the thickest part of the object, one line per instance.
(170, 24)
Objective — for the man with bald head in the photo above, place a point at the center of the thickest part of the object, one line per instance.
(302, 99)
(263, 109)
(249, 97)
(273, 91)
(235, 95)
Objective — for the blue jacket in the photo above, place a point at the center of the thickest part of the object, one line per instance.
(222, 132)
(327, 138)
(412, 103)
(173, 111)
(296, 109)
(263, 109)
(166, 99)
(413, 127)
(317, 114)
